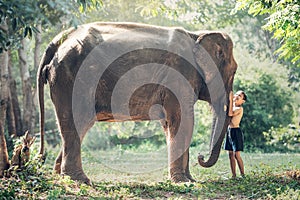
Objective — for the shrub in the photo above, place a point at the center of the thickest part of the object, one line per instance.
(268, 105)
(283, 138)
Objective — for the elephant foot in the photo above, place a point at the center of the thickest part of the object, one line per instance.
(179, 178)
(78, 176)
(190, 177)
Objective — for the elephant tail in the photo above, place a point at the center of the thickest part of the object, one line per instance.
(42, 77)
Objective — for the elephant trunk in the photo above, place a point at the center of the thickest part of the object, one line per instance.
(219, 127)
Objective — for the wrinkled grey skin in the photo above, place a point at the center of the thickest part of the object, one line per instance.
(125, 71)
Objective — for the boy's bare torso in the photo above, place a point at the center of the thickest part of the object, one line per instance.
(236, 118)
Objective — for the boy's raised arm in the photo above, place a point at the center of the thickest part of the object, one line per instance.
(230, 111)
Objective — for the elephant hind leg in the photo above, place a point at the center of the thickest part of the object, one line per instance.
(78, 174)
(68, 162)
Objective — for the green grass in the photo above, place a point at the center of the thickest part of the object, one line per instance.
(142, 174)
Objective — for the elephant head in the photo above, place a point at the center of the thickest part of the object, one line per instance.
(213, 53)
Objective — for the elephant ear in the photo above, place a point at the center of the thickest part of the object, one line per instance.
(210, 54)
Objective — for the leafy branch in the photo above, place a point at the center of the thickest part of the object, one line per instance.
(18, 18)
(282, 19)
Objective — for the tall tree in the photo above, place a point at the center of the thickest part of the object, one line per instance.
(28, 113)
(10, 116)
(4, 94)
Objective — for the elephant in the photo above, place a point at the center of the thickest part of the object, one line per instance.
(120, 71)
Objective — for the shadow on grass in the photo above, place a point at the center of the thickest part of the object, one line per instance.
(265, 186)
(261, 186)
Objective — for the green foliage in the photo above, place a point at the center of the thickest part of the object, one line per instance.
(202, 128)
(268, 106)
(151, 8)
(254, 186)
(36, 180)
(128, 134)
(18, 19)
(269, 176)
(283, 138)
(26, 182)
(98, 137)
(282, 20)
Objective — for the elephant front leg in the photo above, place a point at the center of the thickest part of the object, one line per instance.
(179, 135)
(179, 168)
(177, 171)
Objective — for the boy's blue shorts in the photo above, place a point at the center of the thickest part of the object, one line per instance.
(234, 140)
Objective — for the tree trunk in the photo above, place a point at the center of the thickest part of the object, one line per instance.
(37, 49)
(16, 107)
(10, 117)
(14, 100)
(11, 123)
(36, 58)
(4, 90)
(28, 114)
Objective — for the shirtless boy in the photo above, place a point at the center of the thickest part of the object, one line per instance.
(234, 143)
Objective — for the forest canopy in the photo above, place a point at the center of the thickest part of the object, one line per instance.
(282, 20)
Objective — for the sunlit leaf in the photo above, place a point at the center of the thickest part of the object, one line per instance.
(81, 8)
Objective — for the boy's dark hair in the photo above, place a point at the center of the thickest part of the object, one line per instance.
(244, 95)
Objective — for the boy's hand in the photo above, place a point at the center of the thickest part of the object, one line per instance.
(231, 96)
